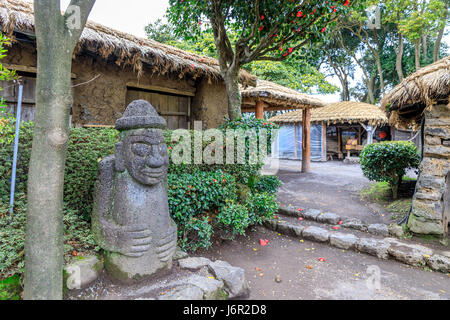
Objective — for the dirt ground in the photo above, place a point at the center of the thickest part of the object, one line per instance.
(330, 186)
(343, 276)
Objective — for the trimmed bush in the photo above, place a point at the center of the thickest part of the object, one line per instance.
(388, 161)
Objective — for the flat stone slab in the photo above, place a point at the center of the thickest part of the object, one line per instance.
(285, 228)
(83, 272)
(194, 263)
(189, 292)
(290, 211)
(232, 277)
(408, 255)
(439, 263)
(328, 217)
(316, 234)
(354, 224)
(311, 214)
(396, 230)
(373, 247)
(343, 240)
(378, 229)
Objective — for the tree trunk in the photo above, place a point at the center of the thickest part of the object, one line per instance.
(234, 94)
(437, 43)
(417, 53)
(44, 229)
(399, 59)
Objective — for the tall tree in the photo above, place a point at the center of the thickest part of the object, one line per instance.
(269, 30)
(56, 35)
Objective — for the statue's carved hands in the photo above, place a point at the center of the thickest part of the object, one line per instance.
(131, 241)
(167, 245)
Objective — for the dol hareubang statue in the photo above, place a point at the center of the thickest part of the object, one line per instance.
(131, 220)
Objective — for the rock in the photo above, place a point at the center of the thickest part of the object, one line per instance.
(315, 234)
(396, 230)
(289, 211)
(193, 263)
(417, 225)
(298, 231)
(211, 288)
(343, 240)
(179, 254)
(373, 247)
(439, 263)
(83, 272)
(378, 229)
(311, 214)
(285, 228)
(271, 224)
(232, 277)
(189, 292)
(407, 255)
(354, 224)
(328, 217)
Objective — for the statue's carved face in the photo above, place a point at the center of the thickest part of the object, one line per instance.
(145, 156)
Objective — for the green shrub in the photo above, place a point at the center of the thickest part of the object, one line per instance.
(235, 218)
(261, 206)
(269, 184)
(388, 161)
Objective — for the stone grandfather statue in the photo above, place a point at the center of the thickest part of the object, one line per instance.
(131, 220)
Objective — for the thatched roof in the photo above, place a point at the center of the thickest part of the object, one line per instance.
(338, 113)
(424, 88)
(277, 96)
(18, 15)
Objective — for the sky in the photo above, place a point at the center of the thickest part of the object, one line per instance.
(134, 15)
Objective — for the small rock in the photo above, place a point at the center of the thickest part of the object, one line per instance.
(278, 279)
(328, 217)
(83, 272)
(298, 231)
(189, 292)
(286, 228)
(373, 247)
(379, 229)
(354, 224)
(343, 240)
(439, 263)
(271, 224)
(396, 230)
(179, 254)
(316, 234)
(193, 263)
(211, 288)
(311, 214)
(232, 277)
(407, 255)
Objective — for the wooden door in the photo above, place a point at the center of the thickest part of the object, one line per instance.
(10, 93)
(174, 108)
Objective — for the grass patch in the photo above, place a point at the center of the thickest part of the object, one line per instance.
(10, 288)
(377, 192)
(399, 208)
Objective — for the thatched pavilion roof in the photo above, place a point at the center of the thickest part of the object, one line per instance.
(278, 97)
(338, 113)
(18, 15)
(424, 88)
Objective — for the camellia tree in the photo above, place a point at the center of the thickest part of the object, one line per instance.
(269, 30)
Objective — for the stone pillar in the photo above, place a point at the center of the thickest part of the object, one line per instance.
(427, 213)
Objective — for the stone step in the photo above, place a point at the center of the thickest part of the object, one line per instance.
(375, 245)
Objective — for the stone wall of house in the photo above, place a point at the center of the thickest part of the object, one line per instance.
(210, 105)
(429, 211)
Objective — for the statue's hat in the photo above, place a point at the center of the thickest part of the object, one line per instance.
(140, 114)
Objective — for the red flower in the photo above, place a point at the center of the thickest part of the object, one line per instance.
(299, 14)
(260, 28)
(285, 54)
(336, 228)
(263, 242)
(262, 17)
(199, 23)
(322, 259)
(323, 30)
(290, 50)
(347, 2)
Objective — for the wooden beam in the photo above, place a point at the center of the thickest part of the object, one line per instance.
(306, 145)
(259, 110)
(162, 89)
(28, 69)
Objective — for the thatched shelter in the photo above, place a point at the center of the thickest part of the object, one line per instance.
(332, 127)
(269, 96)
(119, 67)
(422, 101)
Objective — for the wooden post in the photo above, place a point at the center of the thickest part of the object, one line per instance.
(295, 141)
(306, 145)
(259, 110)
(339, 139)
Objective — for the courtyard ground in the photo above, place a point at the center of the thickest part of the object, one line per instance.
(330, 186)
(343, 275)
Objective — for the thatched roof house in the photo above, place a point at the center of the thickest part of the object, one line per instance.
(332, 126)
(422, 100)
(145, 64)
(338, 113)
(274, 97)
